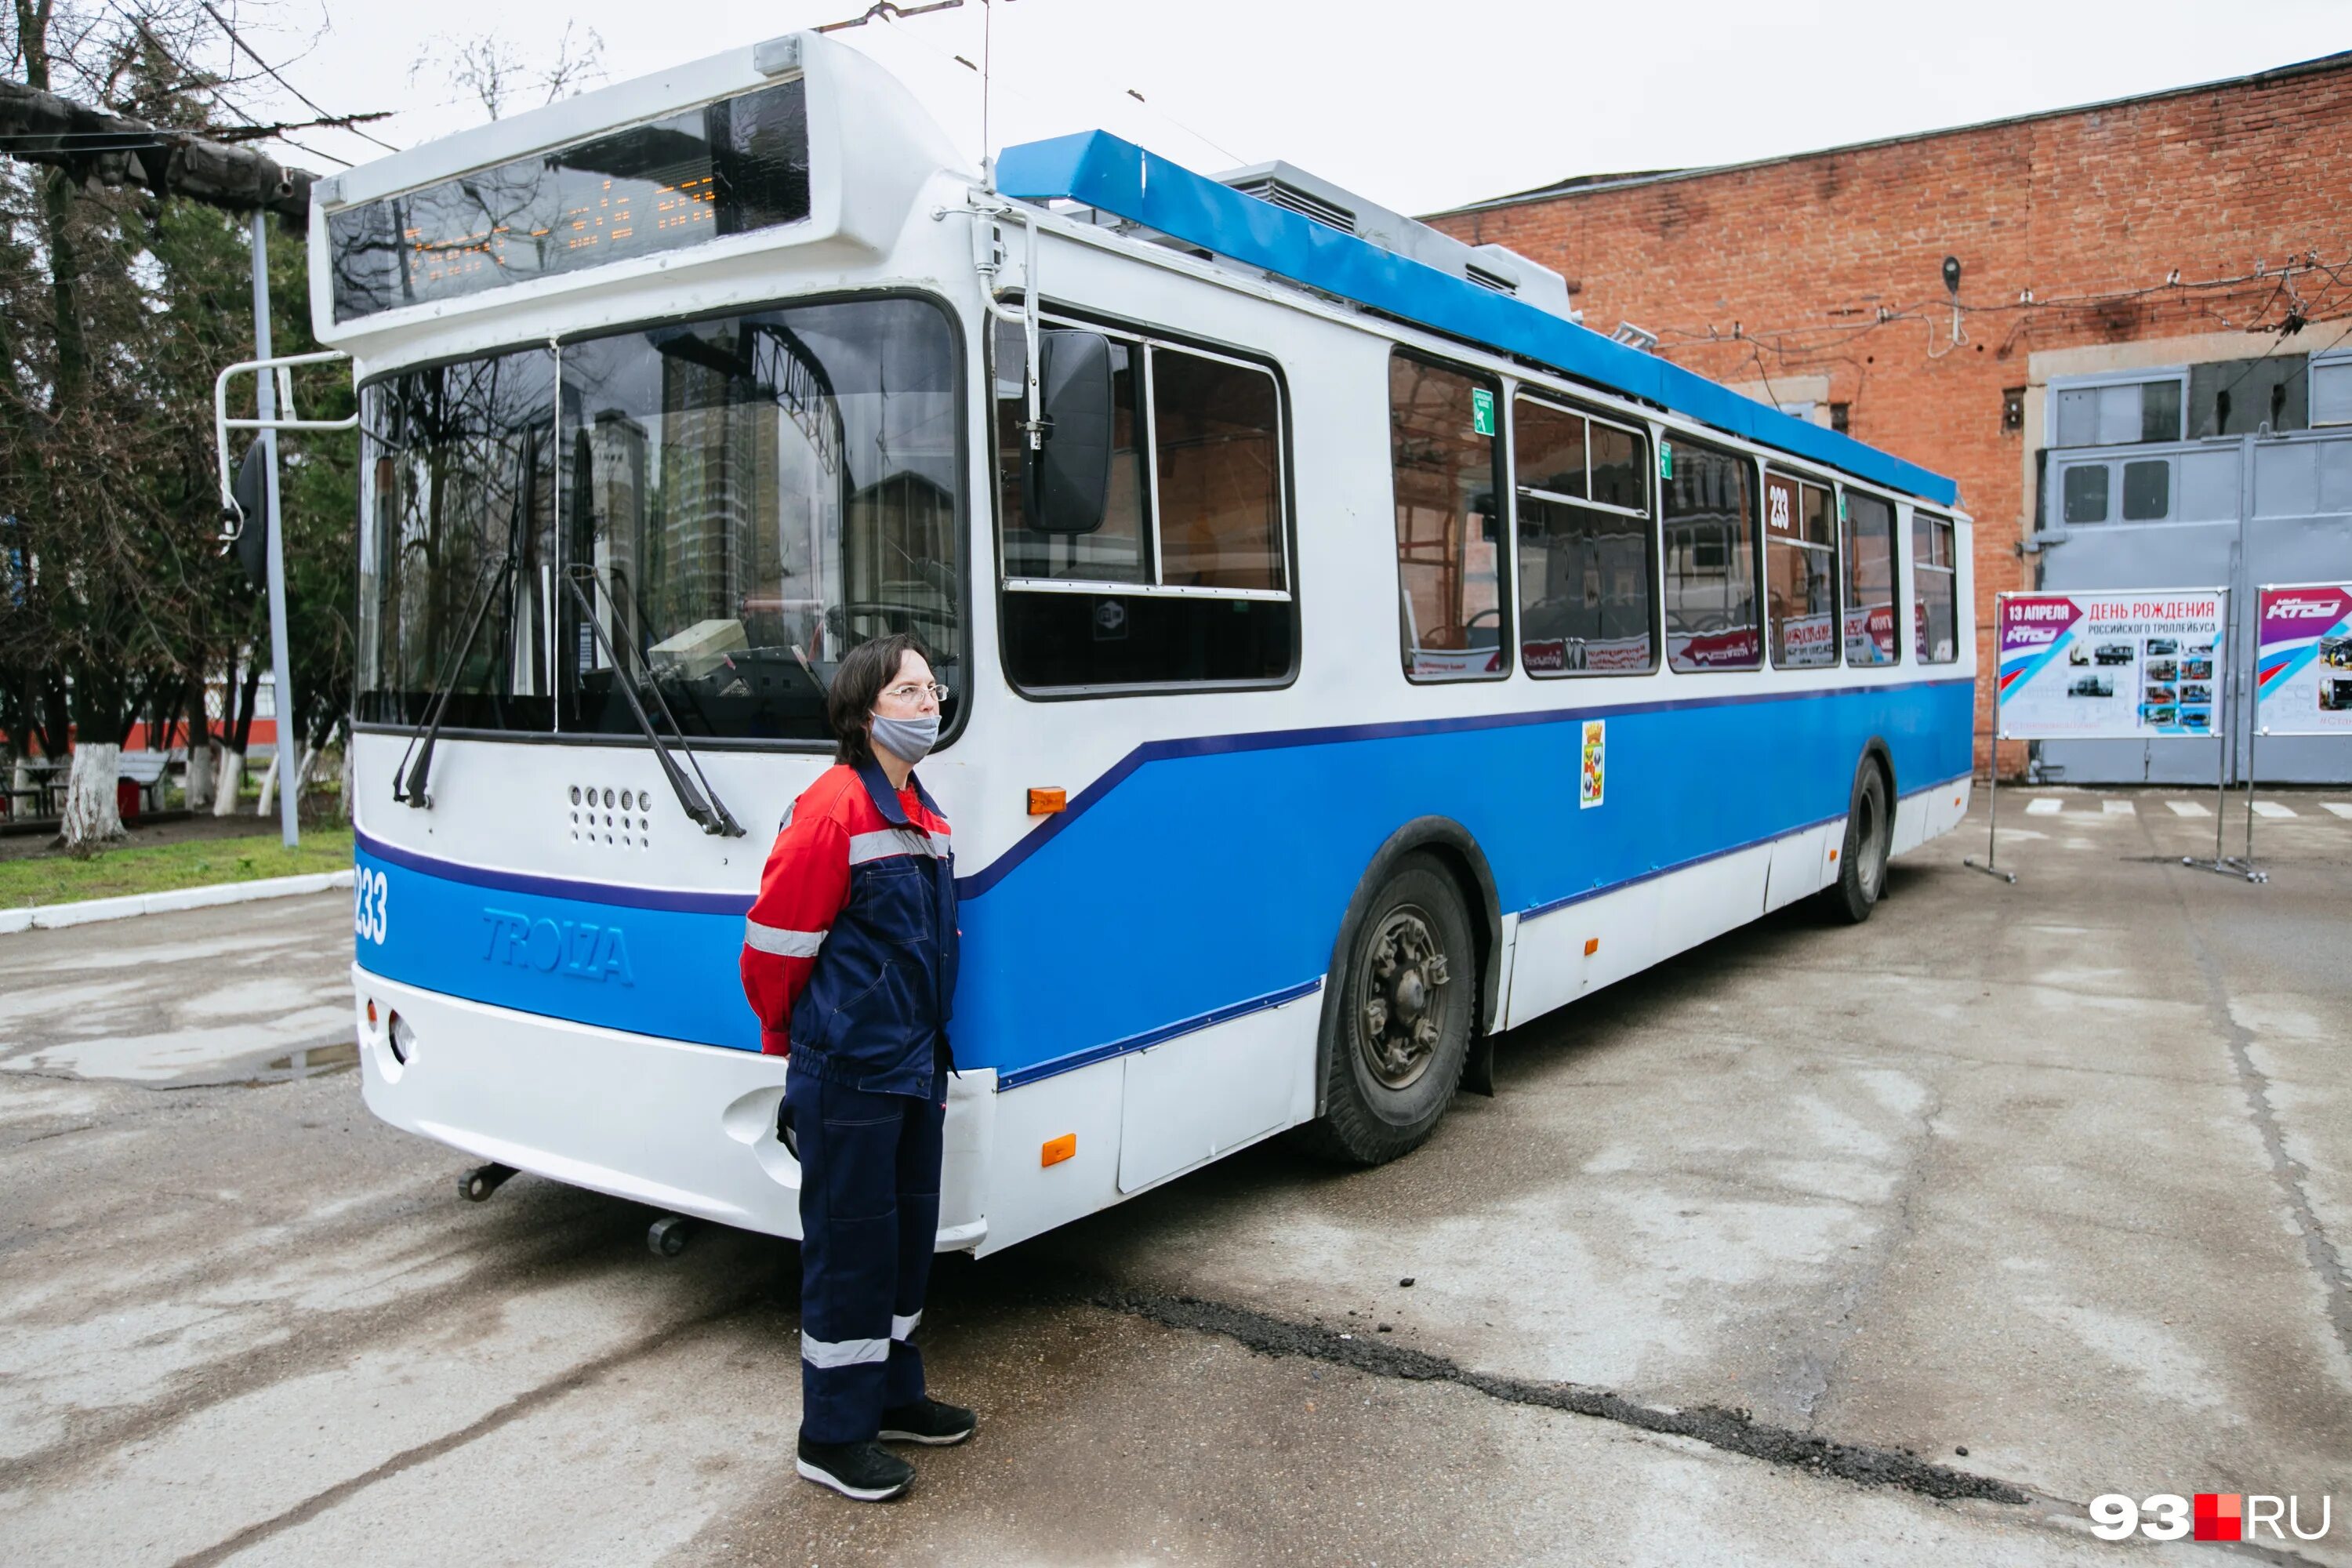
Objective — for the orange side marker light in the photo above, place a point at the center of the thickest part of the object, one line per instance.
(1046, 802)
(1057, 1150)
(1833, 857)
(1591, 945)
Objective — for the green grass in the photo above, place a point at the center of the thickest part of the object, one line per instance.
(155, 869)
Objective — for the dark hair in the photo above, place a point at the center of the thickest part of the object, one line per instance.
(857, 686)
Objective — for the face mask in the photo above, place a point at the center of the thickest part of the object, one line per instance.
(909, 740)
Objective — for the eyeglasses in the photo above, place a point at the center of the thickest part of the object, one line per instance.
(915, 692)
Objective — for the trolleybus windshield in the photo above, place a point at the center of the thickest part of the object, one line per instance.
(754, 495)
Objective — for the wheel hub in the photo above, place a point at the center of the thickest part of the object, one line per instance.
(1404, 968)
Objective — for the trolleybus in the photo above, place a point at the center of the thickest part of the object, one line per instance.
(1352, 657)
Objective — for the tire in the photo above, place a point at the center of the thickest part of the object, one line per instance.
(1396, 1038)
(1861, 863)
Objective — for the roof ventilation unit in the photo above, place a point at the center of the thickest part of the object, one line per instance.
(1305, 203)
(1490, 267)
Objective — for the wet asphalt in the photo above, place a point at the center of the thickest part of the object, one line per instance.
(1894, 1244)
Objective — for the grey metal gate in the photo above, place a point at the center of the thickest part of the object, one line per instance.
(2235, 512)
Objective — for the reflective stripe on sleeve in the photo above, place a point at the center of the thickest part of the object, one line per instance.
(889, 841)
(782, 943)
(843, 1353)
(900, 1327)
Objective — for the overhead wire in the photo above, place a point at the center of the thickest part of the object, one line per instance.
(253, 54)
(221, 98)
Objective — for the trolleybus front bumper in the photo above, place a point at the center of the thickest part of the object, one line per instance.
(687, 1128)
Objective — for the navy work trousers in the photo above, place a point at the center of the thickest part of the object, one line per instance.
(870, 1215)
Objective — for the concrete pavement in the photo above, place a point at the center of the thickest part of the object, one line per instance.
(2059, 1175)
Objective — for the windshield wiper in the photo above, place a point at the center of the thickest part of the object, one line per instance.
(710, 813)
(409, 784)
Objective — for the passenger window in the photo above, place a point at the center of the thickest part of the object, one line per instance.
(1935, 575)
(1187, 582)
(1800, 574)
(1219, 451)
(1868, 537)
(1447, 461)
(1121, 550)
(1708, 505)
(1585, 567)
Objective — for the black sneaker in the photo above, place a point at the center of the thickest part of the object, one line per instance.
(928, 1422)
(860, 1471)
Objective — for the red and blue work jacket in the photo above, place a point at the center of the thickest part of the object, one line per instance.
(849, 952)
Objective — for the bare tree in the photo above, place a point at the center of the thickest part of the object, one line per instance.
(498, 74)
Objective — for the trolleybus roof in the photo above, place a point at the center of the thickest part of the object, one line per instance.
(1095, 169)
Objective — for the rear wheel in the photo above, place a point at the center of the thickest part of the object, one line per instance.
(1862, 862)
(1408, 1001)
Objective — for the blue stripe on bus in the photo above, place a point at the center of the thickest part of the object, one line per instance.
(1037, 838)
(1095, 169)
(1202, 875)
(618, 894)
(1016, 1077)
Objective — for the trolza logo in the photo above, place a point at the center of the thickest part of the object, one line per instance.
(2302, 609)
(580, 950)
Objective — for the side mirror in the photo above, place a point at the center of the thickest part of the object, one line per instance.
(1066, 480)
(252, 494)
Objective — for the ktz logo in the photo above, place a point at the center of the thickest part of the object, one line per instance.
(580, 950)
(2302, 609)
(2214, 1516)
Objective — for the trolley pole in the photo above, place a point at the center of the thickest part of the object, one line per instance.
(280, 672)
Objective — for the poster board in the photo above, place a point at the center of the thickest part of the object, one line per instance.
(2302, 659)
(2139, 664)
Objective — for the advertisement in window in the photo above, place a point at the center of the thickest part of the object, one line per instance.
(2303, 660)
(1597, 655)
(2109, 665)
(1870, 634)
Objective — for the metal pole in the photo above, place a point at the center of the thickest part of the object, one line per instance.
(2253, 730)
(280, 674)
(1992, 777)
(2227, 651)
(2253, 718)
(1992, 821)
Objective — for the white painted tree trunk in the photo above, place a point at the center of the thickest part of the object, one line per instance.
(302, 777)
(229, 781)
(202, 763)
(91, 817)
(350, 780)
(263, 807)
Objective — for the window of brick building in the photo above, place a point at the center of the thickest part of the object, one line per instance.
(2117, 413)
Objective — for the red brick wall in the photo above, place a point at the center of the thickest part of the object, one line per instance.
(1782, 270)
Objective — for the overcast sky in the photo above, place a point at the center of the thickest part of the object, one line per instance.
(1417, 106)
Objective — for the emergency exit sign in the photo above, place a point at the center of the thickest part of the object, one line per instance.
(1482, 411)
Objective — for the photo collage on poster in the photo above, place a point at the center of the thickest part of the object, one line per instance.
(2119, 666)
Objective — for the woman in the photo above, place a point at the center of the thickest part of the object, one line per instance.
(849, 958)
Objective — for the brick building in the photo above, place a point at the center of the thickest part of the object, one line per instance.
(2136, 281)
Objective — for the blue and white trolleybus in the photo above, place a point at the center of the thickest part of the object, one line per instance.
(1352, 656)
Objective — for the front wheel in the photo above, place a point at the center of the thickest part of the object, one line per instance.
(1407, 1003)
(1861, 863)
